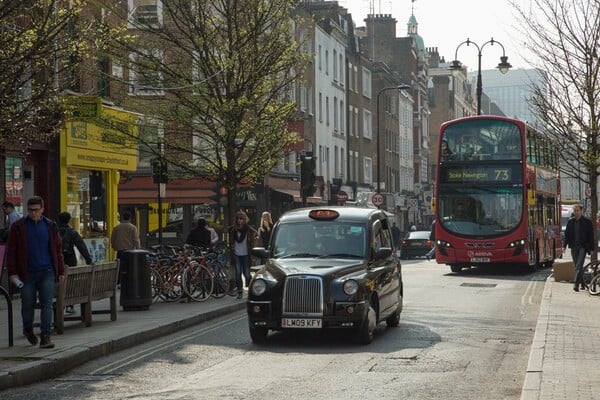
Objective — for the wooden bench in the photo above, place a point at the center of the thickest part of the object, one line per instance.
(82, 286)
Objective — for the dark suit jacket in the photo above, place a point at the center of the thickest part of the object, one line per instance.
(586, 234)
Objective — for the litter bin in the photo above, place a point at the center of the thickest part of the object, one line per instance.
(136, 289)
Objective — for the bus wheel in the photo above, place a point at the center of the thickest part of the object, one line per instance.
(455, 268)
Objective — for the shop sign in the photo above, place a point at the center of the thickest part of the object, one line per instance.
(108, 141)
(246, 194)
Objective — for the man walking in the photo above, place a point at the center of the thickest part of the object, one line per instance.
(125, 235)
(579, 236)
(12, 215)
(34, 257)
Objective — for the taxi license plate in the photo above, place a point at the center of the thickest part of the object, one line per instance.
(480, 259)
(300, 323)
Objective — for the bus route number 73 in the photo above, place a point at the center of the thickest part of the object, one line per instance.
(502, 174)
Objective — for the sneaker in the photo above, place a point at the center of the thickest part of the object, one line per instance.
(69, 310)
(239, 296)
(576, 289)
(46, 343)
(31, 338)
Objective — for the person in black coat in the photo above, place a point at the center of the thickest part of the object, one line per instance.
(71, 239)
(579, 236)
(200, 236)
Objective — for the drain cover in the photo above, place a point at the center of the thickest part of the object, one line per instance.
(478, 284)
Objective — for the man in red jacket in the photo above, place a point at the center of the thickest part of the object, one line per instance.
(34, 257)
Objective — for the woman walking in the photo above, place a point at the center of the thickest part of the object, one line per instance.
(266, 226)
(241, 241)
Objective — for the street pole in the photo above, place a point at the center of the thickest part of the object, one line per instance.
(503, 66)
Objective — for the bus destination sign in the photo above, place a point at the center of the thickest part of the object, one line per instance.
(499, 174)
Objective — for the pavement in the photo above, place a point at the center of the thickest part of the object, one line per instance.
(562, 362)
(24, 364)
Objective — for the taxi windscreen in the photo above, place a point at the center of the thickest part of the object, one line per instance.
(319, 239)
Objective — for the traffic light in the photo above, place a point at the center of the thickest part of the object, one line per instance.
(308, 165)
(159, 170)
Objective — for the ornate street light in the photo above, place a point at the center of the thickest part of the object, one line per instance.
(398, 88)
(503, 66)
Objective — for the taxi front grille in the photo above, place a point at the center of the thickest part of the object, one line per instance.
(303, 295)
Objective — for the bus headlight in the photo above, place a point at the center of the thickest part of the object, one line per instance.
(517, 243)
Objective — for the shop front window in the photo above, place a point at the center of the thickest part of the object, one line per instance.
(86, 202)
(14, 182)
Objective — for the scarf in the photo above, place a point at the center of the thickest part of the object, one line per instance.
(240, 234)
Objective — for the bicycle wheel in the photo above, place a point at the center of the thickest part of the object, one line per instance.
(589, 270)
(594, 285)
(198, 282)
(172, 288)
(222, 281)
(156, 284)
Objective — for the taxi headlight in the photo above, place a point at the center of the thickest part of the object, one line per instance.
(258, 287)
(350, 287)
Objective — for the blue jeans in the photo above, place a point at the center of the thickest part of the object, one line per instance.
(578, 254)
(242, 266)
(38, 283)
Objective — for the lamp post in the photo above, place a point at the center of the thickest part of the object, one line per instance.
(398, 88)
(503, 66)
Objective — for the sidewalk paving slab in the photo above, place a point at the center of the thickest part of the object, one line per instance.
(24, 364)
(563, 357)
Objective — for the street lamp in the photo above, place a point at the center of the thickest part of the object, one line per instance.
(503, 66)
(398, 88)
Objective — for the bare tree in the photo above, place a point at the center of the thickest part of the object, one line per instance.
(219, 75)
(565, 37)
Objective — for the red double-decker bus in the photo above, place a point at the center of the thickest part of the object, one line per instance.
(497, 194)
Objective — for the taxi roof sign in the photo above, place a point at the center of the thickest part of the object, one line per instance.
(323, 214)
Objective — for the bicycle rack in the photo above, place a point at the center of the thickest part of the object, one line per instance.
(10, 316)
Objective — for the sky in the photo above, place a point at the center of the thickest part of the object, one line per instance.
(445, 24)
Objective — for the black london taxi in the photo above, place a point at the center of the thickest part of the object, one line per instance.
(327, 268)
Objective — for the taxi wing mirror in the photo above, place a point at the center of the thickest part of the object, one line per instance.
(260, 252)
(383, 253)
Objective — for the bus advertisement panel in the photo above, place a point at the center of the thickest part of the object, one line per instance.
(497, 194)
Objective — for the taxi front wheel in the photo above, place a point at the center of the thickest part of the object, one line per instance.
(365, 333)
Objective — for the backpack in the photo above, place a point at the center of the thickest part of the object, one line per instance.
(66, 234)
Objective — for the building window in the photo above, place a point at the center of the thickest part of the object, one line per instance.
(356, 126)
(144, 12)
(326, 62)
(367, 125)
(86, 202)
(327, 110)
(366, 83)
(145, 77)
(335, 114)
(368, 169)
(335, 64)
(320, 107)
(302, 98)
(342, 117)
(320, 57)
(341, 67)
(350, 81)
